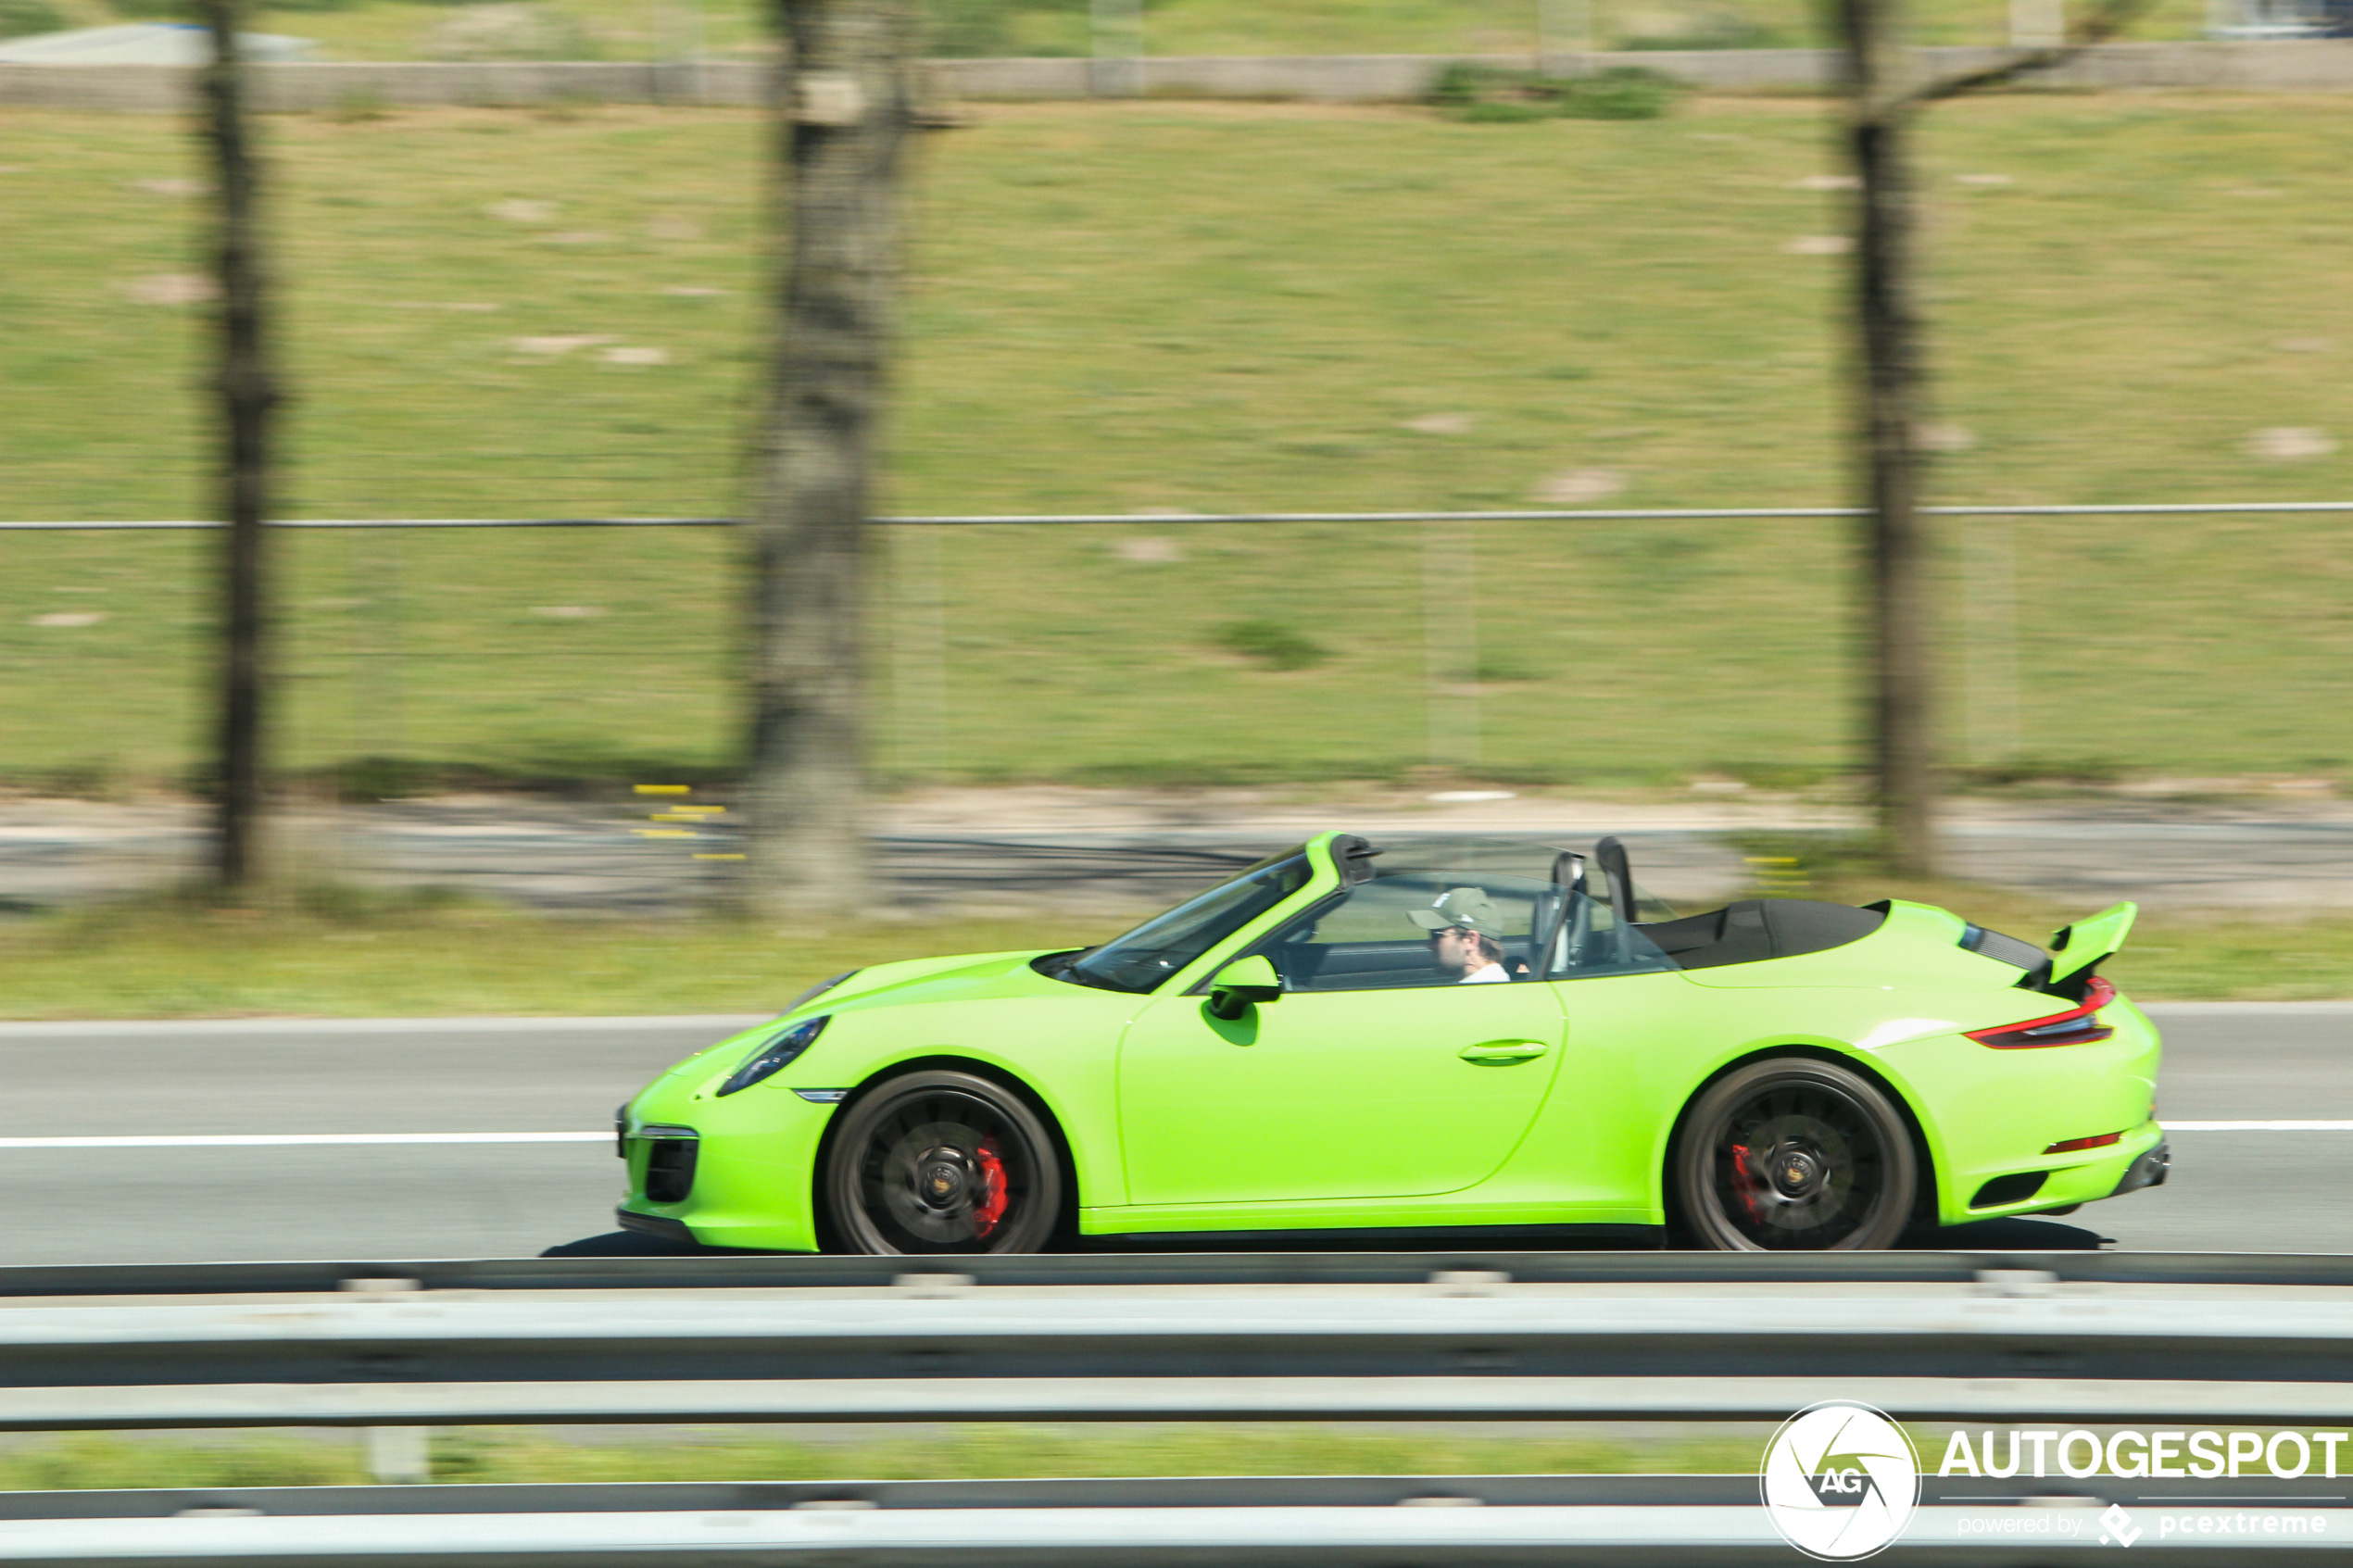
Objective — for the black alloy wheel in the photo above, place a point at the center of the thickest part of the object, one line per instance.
(1794, 1155)
(941, 1162)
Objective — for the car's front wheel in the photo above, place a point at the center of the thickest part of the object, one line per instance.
(1792, 1154)
(941, 1162)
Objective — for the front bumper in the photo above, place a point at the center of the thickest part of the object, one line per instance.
(751, 1180)
(655, 1224)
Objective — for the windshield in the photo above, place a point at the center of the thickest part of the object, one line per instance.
(1158, 949)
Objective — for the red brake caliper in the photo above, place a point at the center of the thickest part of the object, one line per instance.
(1744, 1183)
(990, 1209)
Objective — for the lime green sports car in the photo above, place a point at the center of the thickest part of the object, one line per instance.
(1351, 1036)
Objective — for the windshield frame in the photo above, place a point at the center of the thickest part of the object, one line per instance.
(1073, 967)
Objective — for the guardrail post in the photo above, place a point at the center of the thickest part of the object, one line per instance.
(400, 1456)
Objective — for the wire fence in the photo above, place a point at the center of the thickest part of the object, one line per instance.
(404, 663)
(918, 724)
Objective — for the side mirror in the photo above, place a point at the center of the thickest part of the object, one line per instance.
(1241, 982)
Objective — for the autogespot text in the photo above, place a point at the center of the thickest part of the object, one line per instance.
(2185, 1455)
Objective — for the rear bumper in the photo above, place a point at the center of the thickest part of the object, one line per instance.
(2137, 1161)
(2148, 1171)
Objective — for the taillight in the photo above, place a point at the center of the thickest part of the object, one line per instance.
(2077, 1026)
(2068, 1146)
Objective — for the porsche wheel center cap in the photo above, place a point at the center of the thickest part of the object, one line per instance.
(943, 1179)
(1796, 1172)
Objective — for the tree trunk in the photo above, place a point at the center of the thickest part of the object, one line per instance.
(847, 100)
(1899, 621)
(246, 395)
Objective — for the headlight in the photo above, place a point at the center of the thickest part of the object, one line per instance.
(815, 991)
(772, 1057)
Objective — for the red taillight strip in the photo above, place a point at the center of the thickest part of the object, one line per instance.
(2068, 1146)
(2054, 1030)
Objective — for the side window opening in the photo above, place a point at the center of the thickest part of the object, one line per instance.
(1422, 929)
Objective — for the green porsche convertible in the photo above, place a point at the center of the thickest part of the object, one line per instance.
(1451, 1033)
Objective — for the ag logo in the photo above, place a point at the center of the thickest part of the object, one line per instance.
(1840, 1481)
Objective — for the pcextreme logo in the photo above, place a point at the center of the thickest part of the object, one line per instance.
(1840, 1481)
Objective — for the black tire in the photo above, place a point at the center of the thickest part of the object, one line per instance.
(941, 1162)
(1794, 1155)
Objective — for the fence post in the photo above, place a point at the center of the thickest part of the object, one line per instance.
(1563, 37)
(2038, 24)
(1989, 608)
(919, 650)
(1450, 642)
(1118, 37)
(378, 692)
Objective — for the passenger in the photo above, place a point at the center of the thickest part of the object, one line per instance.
(1463, 926)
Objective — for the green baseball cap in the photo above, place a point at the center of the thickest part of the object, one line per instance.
(1466, 907)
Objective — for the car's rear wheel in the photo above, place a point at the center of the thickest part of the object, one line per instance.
(1796, 1155)
(941, 1162)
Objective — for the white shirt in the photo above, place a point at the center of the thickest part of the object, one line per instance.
(1486, 975)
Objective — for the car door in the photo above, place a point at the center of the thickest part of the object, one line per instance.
(1376, 1074)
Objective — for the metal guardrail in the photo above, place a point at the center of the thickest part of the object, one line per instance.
(1618, 514)
(1656, 1520)
(1131, 1265)
(1449, 1343)
(2093, 1338)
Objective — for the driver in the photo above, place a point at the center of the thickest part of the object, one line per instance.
(1463, 924)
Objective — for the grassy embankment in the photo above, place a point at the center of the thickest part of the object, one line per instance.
(492, 1454)
(1210, 307)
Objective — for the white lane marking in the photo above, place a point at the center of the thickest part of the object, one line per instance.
(288, 1140)
(2173, 1126)
(719, 1025)
(272, 1141)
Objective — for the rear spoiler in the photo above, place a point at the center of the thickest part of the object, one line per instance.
(2078, 950)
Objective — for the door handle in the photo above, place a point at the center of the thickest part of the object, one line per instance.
(1499, 1053)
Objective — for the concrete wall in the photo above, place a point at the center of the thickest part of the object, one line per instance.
(2300, 65)
(2320, 65)
(308, 86)
(2323, 65)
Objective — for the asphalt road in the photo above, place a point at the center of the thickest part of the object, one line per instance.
(505, 1079)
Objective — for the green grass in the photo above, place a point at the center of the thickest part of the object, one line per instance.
(160, 962)
(1206, 307)
(503, 1454)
